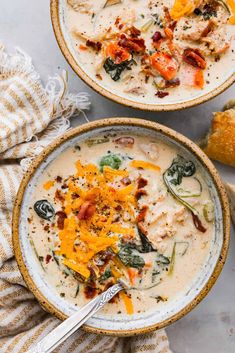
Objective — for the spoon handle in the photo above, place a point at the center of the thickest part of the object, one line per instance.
(69, 326)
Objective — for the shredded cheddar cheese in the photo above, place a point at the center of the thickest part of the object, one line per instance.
(231, 4)
(82, 239)
(128, 303)
(145, 165)
(183, 8)
(48, 184)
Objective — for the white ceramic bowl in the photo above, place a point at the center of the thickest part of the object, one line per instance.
(58, 17)
(163, 314)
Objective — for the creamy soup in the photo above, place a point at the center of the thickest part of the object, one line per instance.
(124, 207)
(154, 51)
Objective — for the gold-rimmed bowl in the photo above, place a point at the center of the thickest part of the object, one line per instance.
(65, 42)
(122, 325)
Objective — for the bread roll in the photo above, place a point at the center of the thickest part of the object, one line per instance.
(220, 142)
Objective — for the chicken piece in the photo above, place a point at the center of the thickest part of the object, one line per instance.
(135, 86)
(194, 30)
(218, 41)
(83, 6)
(151, 150)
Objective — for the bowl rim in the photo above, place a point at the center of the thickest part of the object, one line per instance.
(174, 136)
(55, 19)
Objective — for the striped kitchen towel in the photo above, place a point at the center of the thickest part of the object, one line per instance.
(30, 117)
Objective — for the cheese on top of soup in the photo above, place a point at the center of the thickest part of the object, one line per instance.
(119, 206)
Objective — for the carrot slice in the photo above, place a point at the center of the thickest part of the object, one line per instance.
(117, 53)
(164, 64)
(128, 303)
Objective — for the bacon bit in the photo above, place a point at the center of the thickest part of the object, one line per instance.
(59, 196)
(117, 21)
(157, 36)
(172, 25)
(157, 40)
(208, 28)
(99, 77)
(194, 57)
(168, 33)
(125, 141)
(117, 53)
(142, 228)
(74, 196)
(60, 221)
(94, 45)
(86, 210)
(198, 224)
(141, 183)
(58, 179)
(199, 78)
(134, 32)
(89, 292)
(142, 214)
(48, 258)
(172, 83)
(139, 193)
(126, 181)
(135, 45)
(82, 47)
(121, 26)
(161, 94)
(167, 14)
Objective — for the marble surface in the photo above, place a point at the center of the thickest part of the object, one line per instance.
(210, 327)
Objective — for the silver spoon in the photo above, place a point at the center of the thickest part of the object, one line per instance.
(69, 326)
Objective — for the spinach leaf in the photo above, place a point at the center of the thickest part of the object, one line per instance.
(180, 168)
(44, 209)
(162, 260)
(173, 176)
(115, 70)
(129, 259)
(111, 160)
(160, 263)
(146, 246)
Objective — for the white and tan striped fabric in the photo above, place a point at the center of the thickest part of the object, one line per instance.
(26, 110)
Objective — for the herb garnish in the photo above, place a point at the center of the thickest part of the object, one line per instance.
(111, 160)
